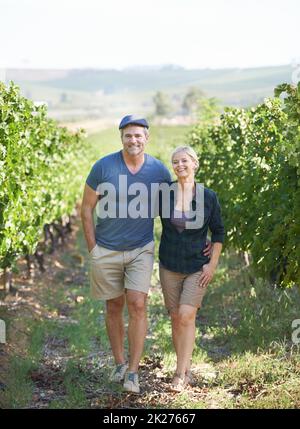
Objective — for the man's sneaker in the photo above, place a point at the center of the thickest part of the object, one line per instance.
(118, 373)
(131, 382)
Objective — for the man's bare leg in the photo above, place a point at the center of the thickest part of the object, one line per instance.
(115, 327)
(137, 327)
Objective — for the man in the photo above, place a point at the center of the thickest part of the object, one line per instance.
(122, 247)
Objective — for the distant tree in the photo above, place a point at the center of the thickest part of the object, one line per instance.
(162, 104)
(191, 100)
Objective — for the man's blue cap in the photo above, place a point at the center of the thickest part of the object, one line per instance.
(133, 120)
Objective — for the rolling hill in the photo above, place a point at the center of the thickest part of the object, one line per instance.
(90, 93)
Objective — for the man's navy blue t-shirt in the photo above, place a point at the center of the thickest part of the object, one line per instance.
(128, 196)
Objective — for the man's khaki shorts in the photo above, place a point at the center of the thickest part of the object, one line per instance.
(111, 271)
(181, 288)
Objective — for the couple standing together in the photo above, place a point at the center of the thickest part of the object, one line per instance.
(122, 248)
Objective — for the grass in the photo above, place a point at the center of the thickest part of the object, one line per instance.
(20, 387)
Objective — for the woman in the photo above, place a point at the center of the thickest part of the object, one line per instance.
(185, 271)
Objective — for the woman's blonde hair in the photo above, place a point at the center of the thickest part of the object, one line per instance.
(189, 151)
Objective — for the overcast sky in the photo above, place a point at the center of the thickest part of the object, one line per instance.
(124, 33)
